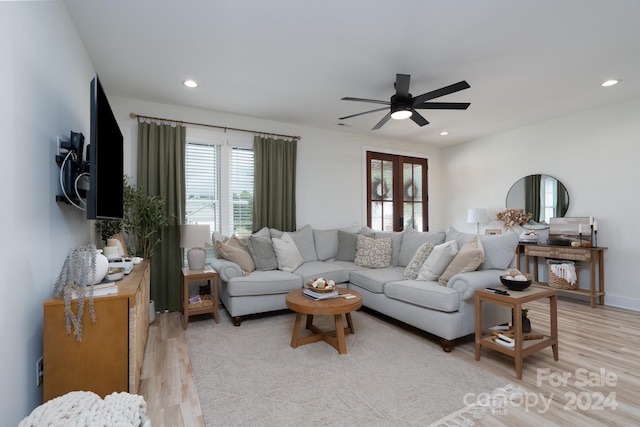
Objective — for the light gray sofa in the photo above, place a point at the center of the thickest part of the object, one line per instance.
(447, 311)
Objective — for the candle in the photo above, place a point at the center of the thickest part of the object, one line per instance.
(590, 220)
(595, 225)
(580, 228)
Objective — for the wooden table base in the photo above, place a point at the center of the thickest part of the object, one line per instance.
(334, 338)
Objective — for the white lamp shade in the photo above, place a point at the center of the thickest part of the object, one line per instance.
(477, 215)
(195, 235)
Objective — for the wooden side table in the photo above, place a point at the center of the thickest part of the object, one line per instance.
(515, 300)
(209, 303)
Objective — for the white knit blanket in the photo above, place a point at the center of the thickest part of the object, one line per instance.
(84, 408)
(565, 271)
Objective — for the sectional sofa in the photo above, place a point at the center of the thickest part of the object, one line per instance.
(387, 268)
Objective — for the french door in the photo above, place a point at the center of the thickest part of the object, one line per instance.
(396, 192)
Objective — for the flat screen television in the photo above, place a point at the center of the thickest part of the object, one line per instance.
(105, 156)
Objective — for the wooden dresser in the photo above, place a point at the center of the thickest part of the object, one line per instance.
(594, 256)
(109, 357)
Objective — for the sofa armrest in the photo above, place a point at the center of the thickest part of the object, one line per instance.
(467, 283)
(226, 269)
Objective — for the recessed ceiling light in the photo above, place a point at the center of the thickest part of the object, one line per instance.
(609, 83)
(444, 133)
(190, 83)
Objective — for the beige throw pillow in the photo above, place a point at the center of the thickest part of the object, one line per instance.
(289, 258)
(469, 258)
(236, 251)
(373, 253)
(438, 260)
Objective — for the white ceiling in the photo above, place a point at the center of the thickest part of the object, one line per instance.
(291, 60)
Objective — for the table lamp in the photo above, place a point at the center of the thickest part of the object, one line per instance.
(477, 215)
(194, 237)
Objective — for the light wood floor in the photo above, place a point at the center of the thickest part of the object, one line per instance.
(596, 346)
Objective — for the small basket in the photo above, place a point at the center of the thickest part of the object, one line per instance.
(206, 302)
(558, 282)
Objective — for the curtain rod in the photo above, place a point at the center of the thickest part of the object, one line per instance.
(134, 116)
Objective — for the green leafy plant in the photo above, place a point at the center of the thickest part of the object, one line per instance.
(108, 228)
(525, 311)
(144, 218)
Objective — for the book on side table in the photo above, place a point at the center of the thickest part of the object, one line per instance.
(319, 295)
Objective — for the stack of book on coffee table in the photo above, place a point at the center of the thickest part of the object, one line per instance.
(319, 295)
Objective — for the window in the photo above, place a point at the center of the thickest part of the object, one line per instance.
(397, 192)
(219, 185)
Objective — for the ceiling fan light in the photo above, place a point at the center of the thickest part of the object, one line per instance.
(401, 114)
(609, 83)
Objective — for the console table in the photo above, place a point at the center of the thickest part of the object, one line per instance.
(594, 256)
(109, 357)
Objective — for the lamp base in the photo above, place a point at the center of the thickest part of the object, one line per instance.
(196, 258)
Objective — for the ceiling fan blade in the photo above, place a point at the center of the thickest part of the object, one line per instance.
(384, 120)
(443, 106)
(374, 101)
(366, 112)
(441, 92)
(402, 85)
(418, 119)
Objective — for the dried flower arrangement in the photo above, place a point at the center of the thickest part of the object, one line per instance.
(512, 216)
(76, 275)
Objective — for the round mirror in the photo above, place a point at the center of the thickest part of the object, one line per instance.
(541, 195)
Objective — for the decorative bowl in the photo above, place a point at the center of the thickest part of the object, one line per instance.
(327, 287)
(515, 285)
(115, 273)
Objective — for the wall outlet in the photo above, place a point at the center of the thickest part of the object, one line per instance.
(39, 371)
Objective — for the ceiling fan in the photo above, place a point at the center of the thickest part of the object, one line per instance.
(403, 106)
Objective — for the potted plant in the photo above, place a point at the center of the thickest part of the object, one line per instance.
(83, 267)
(144, 219)
(107, 228)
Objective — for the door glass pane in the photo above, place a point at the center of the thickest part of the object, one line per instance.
(417, 183)
(376, 215)
(376, 180)
(387, 180)
(387, 216)
(418, 217)
(407, 183)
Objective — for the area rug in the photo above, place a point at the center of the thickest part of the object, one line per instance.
(250, 376)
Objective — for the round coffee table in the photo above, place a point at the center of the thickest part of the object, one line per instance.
(335, 307)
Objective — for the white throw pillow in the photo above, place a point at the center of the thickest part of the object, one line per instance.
(438, 260)
(289, 258)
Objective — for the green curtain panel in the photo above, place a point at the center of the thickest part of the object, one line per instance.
(161, 156)
(274, 183)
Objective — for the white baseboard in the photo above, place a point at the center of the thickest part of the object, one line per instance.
(622, 302)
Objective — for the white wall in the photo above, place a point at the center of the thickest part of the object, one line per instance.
(592, 153)
(329, 174)
(44, 87)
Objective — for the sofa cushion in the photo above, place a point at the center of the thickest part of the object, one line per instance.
(413, 268)
(424, 294)
(264, 283)
(438, 260)
(375, 280)
(499, 250)
(289, 258)
(261, 250)
(328, 270)
(373, 253)
(347, 246)
(235, 250)
(412, 240)
(326, 242)
(468, 258)
(396, 238)
(303, 238)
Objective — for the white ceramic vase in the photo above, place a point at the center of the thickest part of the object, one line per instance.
(102, 266)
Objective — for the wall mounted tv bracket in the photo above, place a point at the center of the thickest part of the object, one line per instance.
(69, 159)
